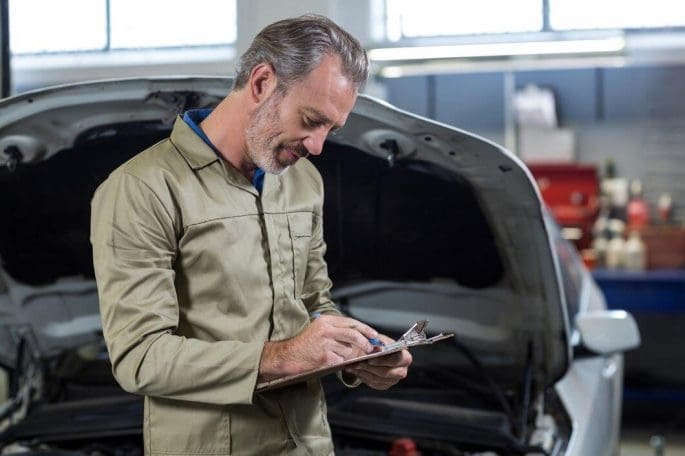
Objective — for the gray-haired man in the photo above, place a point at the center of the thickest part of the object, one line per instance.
(209, 257)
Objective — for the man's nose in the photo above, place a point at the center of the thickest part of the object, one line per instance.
(314, 142)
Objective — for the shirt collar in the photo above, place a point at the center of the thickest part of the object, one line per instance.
(193, 118)
(194, 149)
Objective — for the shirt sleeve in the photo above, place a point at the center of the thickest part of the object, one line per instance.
(134, 238)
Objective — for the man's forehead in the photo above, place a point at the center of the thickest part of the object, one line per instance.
(326, 93)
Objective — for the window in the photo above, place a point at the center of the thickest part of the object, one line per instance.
(431, 18)
(50, 26)
(412, 19)
(40, 26)
(616, 14)
(165, 23)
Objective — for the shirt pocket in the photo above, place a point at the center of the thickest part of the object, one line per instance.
(183, 427)
(300, 227)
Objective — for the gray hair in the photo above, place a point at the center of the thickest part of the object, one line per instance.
(294, 47)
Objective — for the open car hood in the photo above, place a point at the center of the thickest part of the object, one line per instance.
(423, 221)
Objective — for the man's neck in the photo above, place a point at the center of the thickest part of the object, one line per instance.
(225, 127)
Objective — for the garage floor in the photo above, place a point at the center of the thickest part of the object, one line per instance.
(636, 442)
(639, 442)
(645, 424)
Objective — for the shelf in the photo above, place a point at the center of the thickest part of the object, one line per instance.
(652, 291)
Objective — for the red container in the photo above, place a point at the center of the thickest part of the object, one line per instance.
(571, 191)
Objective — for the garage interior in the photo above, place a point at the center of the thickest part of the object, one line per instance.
(589, 95)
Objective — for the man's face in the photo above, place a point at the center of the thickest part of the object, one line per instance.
(294, 123)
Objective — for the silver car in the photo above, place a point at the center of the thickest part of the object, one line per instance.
(422, 221)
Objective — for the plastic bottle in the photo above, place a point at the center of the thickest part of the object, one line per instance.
(602, 222)
(635, 253)
(637, 211)
(600, 232)
(616, 189)
(665, 206)
(615, 246)
(599, 245)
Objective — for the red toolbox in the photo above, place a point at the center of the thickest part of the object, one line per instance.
(571, 191)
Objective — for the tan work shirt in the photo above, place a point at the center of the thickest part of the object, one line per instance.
(195, 271)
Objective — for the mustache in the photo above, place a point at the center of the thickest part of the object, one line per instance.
(298, 148)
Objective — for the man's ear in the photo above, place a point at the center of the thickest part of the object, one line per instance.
(262, 82)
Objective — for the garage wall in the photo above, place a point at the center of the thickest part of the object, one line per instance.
(634, 115)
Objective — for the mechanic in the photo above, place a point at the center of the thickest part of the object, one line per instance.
(209, 257)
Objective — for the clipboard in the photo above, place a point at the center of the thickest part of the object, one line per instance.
(413, 337)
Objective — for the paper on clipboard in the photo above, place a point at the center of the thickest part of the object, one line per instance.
(414, 336)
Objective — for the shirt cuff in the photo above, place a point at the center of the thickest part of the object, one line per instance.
(349, 380)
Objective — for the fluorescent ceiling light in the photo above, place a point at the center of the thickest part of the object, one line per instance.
(416, 68)
(589, 46)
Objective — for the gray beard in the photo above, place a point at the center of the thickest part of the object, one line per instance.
(260, 138)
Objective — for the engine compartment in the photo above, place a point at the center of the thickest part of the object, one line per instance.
(374, 227)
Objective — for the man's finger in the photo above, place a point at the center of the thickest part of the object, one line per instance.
(351, 323)
(375, 381)
(353, 337)
(396, 373)
(346, 351)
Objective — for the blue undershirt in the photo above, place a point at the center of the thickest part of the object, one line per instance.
(193, 119)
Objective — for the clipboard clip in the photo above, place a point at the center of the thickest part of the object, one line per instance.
(416, 332)
(415, 335)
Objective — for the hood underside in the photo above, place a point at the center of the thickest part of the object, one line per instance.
(422, 221)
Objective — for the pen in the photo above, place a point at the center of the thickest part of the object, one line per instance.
(376, 342)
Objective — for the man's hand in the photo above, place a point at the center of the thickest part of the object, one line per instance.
(328, 340)
(383, 372)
